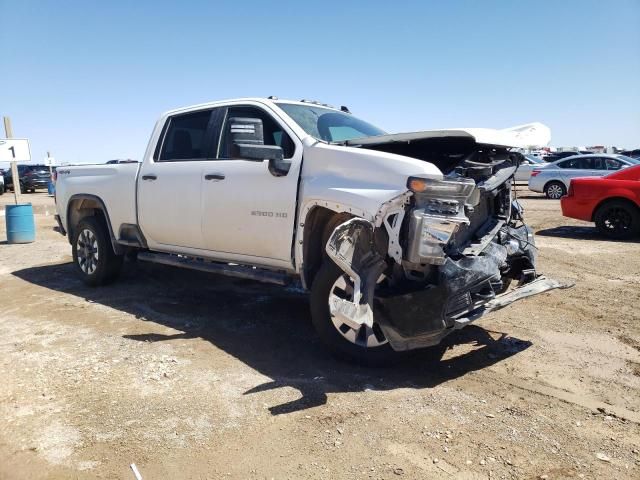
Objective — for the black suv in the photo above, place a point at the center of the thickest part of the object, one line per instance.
(31, 177)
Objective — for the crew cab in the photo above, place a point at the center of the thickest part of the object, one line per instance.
(400, 238)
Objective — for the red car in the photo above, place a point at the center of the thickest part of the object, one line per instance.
(613, 202)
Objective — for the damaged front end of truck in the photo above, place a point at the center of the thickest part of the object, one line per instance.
(444, 253)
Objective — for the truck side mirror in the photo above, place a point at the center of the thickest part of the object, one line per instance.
(247, 143)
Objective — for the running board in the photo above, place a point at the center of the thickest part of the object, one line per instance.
(237, 271)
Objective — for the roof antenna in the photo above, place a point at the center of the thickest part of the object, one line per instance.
(344, 109)
(272, 97)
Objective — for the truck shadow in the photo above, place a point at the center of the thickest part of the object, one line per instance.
(269, 329)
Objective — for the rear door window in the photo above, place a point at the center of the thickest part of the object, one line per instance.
(598, 163)
(186, 137)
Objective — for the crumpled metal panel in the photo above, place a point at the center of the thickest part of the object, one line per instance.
(351, 247)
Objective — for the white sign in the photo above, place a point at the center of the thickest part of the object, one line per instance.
(49, 161)
(14, 150)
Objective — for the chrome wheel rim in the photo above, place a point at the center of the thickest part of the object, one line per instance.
(87, 251)
(360, 334)
(554, 191)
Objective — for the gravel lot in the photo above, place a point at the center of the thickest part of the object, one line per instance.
(190, 375)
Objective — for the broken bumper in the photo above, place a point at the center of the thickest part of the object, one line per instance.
(420, 319)
(457, 290)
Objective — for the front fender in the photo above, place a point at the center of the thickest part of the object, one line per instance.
(372, 205)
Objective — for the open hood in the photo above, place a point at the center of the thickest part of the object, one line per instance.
(522, 136)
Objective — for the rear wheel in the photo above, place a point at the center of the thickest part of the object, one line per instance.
(555, 190)
(618, 219)
(346, 338)
(93, 253)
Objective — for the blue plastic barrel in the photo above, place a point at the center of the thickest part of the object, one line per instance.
(51, 188)
(20, 225)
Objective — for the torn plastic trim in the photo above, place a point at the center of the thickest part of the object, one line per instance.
(391, 214)
(352, 248)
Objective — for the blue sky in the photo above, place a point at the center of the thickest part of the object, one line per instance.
(87, 80)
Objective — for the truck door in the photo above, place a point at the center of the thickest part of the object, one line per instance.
(248, 210)
(169, 184)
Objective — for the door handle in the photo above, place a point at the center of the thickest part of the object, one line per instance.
(151, 176)
(214, 176)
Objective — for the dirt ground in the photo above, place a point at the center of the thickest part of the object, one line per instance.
(190, 375)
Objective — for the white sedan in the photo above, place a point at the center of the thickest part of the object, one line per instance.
(526, 167)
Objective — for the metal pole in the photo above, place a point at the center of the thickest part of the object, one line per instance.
(49, 162)
(14, 165)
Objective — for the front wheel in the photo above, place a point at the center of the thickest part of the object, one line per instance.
(618, 220)
(347, 339)
(93, 253)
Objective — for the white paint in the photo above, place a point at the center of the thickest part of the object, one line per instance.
(135, 471)
(181, 212)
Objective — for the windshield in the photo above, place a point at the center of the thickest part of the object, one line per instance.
(328, 124)
(633, 161)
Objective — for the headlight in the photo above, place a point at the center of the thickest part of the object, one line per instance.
(448, 188)
(439, 213)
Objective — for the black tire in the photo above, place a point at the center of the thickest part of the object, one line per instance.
(107, 266)
(2, 189)
(555, 190)
(618, 219)
(323, 283)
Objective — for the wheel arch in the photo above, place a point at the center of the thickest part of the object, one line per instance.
(85, 205)
(607, 200)
(318, 225)
(555, 180)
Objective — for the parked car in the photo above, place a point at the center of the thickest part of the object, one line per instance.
(612, 202)
(526, 167)
(555, 156)
(631, 153)
(31, 177)
(422, 222)
(2, 187)
(553, 180)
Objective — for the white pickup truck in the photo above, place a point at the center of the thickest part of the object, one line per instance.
(400, 238)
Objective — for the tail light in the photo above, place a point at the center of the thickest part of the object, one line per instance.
(535, 173)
